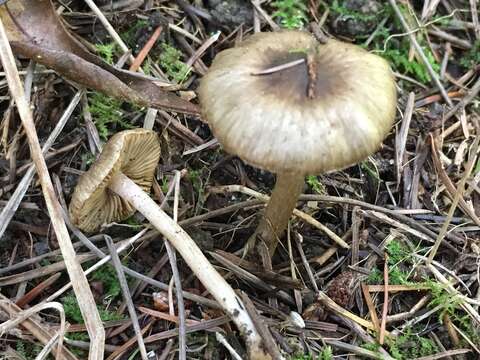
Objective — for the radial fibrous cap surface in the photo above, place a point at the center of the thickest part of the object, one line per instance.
(135, 153)
(324, 113)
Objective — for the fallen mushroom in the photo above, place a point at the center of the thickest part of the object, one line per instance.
(286, 103)
(115, 187)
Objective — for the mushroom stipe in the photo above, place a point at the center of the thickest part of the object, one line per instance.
(115, 186)
(286, 103)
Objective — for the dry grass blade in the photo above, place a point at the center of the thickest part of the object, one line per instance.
(127, 296)
(22, 316)
(48, 347)
(32, 294)
(56, 48)
(14, 202)
(402, 135)
(268, 342)
(472, 94)
(182, 342)
(30, 324)
(412, 198)
(449, 185)
(445, 354)
(117, 353)
(221, 339)
(364, 353)
(469, 309)
(300, 214)
(371, 306)
(458, 195)
(333, 306)
(79, 280)
(420, 52)
(383, 324)
(123, 246)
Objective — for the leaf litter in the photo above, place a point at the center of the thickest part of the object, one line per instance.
(382, 298)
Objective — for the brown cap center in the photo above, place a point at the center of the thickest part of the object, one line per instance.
(300, 82)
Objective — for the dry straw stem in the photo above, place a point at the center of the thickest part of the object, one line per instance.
(29, 323)
(333, 306)
(9, 209)
(383, 324)
(182, 335)
(22, 316)
(458, 195)
(300, 214)
(117, 264)
(205, 272)
(79, 280)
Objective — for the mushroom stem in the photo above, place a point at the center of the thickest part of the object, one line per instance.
(193, 256)
(284, 197)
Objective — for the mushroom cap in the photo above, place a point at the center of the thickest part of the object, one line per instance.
(271, 121)
(135, 153)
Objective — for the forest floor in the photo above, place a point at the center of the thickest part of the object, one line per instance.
(391, 294)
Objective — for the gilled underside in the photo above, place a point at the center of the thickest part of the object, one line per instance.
(135, 153)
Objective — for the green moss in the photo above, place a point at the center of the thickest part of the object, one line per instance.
(410, 345)
(73, 313)
(375, 277)
(315, 184)
(472, 56)
(371, 346)
(291, 13)
(400, 61)
(78, 336)
(27, 350)
(129, 36)
(106, 113)
(397, 252)
(398, 277)
(450, 305)
(108, 276)
(170, 61)
(399, 256)
(406, 346)
(106, 51)
(326, 353)
(340, 9)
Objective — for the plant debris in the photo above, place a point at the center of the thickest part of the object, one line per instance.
(379, 261)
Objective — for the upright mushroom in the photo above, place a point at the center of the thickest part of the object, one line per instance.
(286, 103)
(115, 187)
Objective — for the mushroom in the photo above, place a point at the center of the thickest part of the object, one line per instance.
(286, 103)
(115, 187)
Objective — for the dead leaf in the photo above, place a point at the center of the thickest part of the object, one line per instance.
(36, 32)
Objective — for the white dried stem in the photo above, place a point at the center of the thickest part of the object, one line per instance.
(22, 316)
(193, 256)
(79, 280)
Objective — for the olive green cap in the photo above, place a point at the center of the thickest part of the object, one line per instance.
(314, 116)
